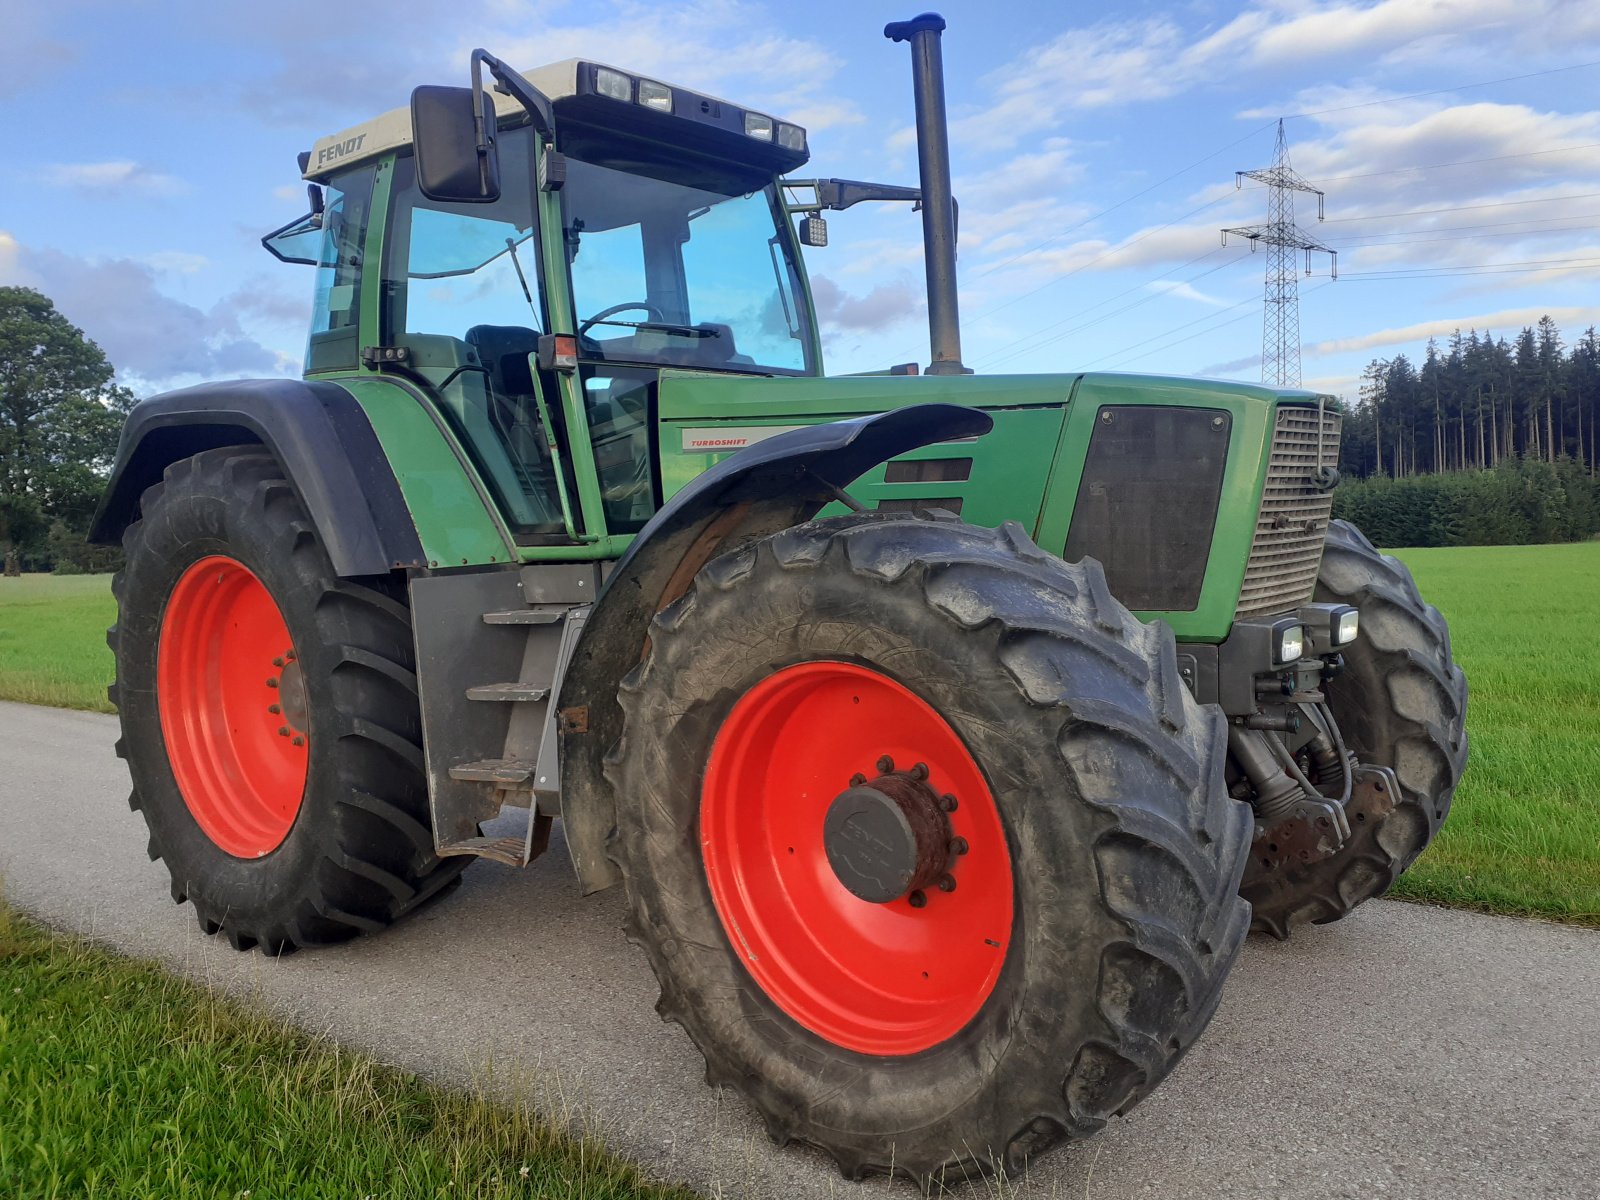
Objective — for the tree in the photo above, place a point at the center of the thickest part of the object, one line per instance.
(60, 415)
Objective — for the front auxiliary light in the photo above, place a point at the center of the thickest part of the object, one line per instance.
(614, 84)
(758, 125)
(655, 95)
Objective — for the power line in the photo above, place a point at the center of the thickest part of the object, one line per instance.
(1421, 212)
(1117, 249)
(1030, 342)
(1465, 162)
(1462, 87)
(1531, 266)
(1124, 361)
(1421, 237)
(1056, 237)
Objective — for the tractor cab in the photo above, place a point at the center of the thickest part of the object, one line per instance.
(618, 227)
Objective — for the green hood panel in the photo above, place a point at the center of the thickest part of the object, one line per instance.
(999, 477)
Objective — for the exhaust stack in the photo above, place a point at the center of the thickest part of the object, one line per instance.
(938, 206)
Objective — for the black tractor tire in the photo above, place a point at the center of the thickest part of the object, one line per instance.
(1401, 702)
(1108, 780)
(360, 852)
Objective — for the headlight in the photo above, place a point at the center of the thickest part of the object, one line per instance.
(655, 95)
(1329, 627)
(614, 84)
(791, 137)
(1291, 645)
(1346, 627)
(757, 125)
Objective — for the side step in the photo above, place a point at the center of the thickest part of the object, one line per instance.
(508, 691)
(502, 772)
(510, 850)
(534, 614)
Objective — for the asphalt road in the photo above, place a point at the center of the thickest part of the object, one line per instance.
(1404, 1052)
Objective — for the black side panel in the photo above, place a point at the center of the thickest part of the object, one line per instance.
(318, 433)
(760, 490)
(1147, 505)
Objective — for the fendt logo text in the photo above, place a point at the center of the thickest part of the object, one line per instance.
(338, 150)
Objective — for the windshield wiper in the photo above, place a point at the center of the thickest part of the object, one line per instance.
(695, 331)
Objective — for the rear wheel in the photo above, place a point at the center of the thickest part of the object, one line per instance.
(269, 714)
(1401, 703)
(927, 843)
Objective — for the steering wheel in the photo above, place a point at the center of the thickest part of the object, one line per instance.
(650, 310)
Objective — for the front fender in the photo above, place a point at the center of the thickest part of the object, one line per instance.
(321, 438)
(752, 494)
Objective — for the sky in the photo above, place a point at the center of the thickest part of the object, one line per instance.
(145, 147)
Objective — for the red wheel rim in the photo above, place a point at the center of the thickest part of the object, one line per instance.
(878, 978)
(233, 707)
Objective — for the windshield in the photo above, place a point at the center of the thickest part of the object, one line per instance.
(672, 274)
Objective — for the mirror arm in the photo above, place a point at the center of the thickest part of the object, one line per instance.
(512, 84)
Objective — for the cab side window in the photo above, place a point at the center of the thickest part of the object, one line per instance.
(334, 341)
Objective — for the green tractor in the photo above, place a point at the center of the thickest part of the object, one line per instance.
(945, 730)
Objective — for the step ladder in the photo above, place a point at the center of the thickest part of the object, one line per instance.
(525, 778)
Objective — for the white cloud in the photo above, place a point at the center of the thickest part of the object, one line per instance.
(732, 48)
(27, 53)
(120, 175)
(1184, 291)
(1123, 62)
(882, 308)
(151, 338)
(177, 262)
(1506, 321)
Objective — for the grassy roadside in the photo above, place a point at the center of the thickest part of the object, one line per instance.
(52, 640)
(1524, 835)
(120, 1080)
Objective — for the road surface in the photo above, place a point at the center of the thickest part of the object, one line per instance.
(1406, 1052)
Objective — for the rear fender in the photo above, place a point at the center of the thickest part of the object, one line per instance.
(752, 494)
(320, 437)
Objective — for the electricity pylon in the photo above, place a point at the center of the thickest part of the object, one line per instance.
(1280, 340)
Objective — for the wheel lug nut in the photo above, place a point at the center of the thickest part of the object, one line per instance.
(947, 883)
(958, 845)
(920, 771)
(277, 662)
(297, 741)
(947, 802)
(272, 682)
(917, 899)
(885, 765)
(274, 709)
(857, 779)
(283, 731)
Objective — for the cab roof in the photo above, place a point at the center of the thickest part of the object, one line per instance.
(571, 88)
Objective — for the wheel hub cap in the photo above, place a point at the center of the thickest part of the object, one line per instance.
(887, 838)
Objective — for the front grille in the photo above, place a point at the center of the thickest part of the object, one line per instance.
(1287, 551)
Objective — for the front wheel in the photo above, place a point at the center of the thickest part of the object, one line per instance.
(1400, 703)
(269, 713)
(927, 843)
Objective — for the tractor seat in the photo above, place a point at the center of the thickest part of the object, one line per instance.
(504, 350)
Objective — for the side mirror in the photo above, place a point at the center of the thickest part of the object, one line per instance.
(457, 159)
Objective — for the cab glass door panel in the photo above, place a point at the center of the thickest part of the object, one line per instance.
(461, 292)
(620, 404)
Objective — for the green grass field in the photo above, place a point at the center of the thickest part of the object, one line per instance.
(1524, 836)
(53, 640)
(118, 1079)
